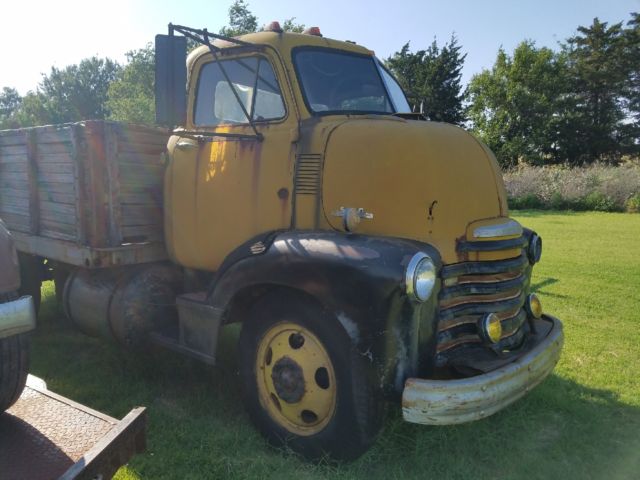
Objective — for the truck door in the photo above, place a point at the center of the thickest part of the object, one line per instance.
(224, 185)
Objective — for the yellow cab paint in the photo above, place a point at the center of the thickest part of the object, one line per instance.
(421, 180)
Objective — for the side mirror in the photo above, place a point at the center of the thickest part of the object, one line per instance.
(171, 80)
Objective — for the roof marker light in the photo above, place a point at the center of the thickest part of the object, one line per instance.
(313, 31)
(273, 27)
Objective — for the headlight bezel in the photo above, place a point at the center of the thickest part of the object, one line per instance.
(490, 328)
(420, 263)
(534, 249)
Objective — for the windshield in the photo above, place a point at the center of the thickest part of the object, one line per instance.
(395, 91)
(340, 82)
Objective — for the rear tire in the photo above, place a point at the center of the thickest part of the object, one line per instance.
(305, 385)
(14, 366)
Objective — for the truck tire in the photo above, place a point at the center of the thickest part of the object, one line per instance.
(31, 270)
(305, 385)
(14, 365)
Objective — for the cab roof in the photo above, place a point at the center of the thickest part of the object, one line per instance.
(282, 42)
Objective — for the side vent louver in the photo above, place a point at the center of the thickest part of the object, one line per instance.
(308, 172)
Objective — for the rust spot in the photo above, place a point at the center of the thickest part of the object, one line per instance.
(283, 194)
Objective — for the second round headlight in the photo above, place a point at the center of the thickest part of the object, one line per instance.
(421, 277)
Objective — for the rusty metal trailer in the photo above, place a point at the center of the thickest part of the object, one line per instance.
(47, 436)
(86, 194)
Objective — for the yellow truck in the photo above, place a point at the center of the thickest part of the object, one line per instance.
(367, 253)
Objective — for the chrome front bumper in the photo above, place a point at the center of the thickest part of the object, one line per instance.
(447, 402)
(17, 316)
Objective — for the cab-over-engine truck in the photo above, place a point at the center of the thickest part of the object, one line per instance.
(368, 253)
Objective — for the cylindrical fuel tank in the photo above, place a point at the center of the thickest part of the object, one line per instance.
(124, 304)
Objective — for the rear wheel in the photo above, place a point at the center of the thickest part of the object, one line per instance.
(14, 365)
(305, 385)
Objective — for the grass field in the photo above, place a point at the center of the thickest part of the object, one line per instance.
(581, 423)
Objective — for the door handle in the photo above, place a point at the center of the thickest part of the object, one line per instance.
(183, 145)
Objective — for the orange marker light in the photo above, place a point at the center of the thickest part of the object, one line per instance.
(273, 27)
(313, 31)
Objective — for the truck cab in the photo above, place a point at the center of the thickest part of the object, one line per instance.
(369, 253)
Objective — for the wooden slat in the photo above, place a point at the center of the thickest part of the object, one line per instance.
(14, 176)
(13, 200)
(149, 233)
(66, 168)
(13, 158)
(12, 138)
(17, 208)
(46, 157)
(140, 215)
(20, 167)
(17, 222)
(140, 148)
(14, 193)
(66, 178)
(53, 187)
(149, 138)
(65, 198)
(55, 226)
(13, 150)
(133, 158)
(58, 208)
(32, 154)
(61, 135)
(14, 184)
(139, 197)
(45, 232)
(127, 169)
(142, 179)
(58, 219)
(50, 148)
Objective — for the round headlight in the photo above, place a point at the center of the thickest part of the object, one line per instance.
(534, 251)
(533, 306)
(420, 277)
(491, 327)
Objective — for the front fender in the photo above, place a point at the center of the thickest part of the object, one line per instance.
(360, 280)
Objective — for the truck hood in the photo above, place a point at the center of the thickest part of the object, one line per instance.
(425, 181)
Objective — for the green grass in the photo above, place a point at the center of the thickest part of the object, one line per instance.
(583, 422)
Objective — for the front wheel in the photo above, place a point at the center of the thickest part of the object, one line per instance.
(305, 384)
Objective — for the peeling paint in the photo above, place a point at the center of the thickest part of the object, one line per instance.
(349, 326)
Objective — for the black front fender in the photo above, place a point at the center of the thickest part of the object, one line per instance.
(359, 279)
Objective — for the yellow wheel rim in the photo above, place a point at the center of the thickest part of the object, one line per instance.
(296, 380)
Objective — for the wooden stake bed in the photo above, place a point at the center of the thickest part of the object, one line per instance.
(87, 194)
(46, 436)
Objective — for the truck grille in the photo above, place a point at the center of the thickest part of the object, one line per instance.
(472, 289)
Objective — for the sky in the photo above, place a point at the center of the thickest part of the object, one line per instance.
(38, 34)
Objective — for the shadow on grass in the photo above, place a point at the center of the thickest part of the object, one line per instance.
(538, 287)
(198, 428)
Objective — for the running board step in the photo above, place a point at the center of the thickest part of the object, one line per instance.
(199, 325)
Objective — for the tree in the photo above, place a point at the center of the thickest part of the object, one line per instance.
(432, 79)
(78, 92)
(599, 76)
(519, 106)
(632, 90)
(10, 101)
(241, 20)
(290, 26)
(131, 95)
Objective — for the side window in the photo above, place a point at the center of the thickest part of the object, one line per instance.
(255, 83)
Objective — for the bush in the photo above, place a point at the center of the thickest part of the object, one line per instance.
(596, 187)
(633, 204)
